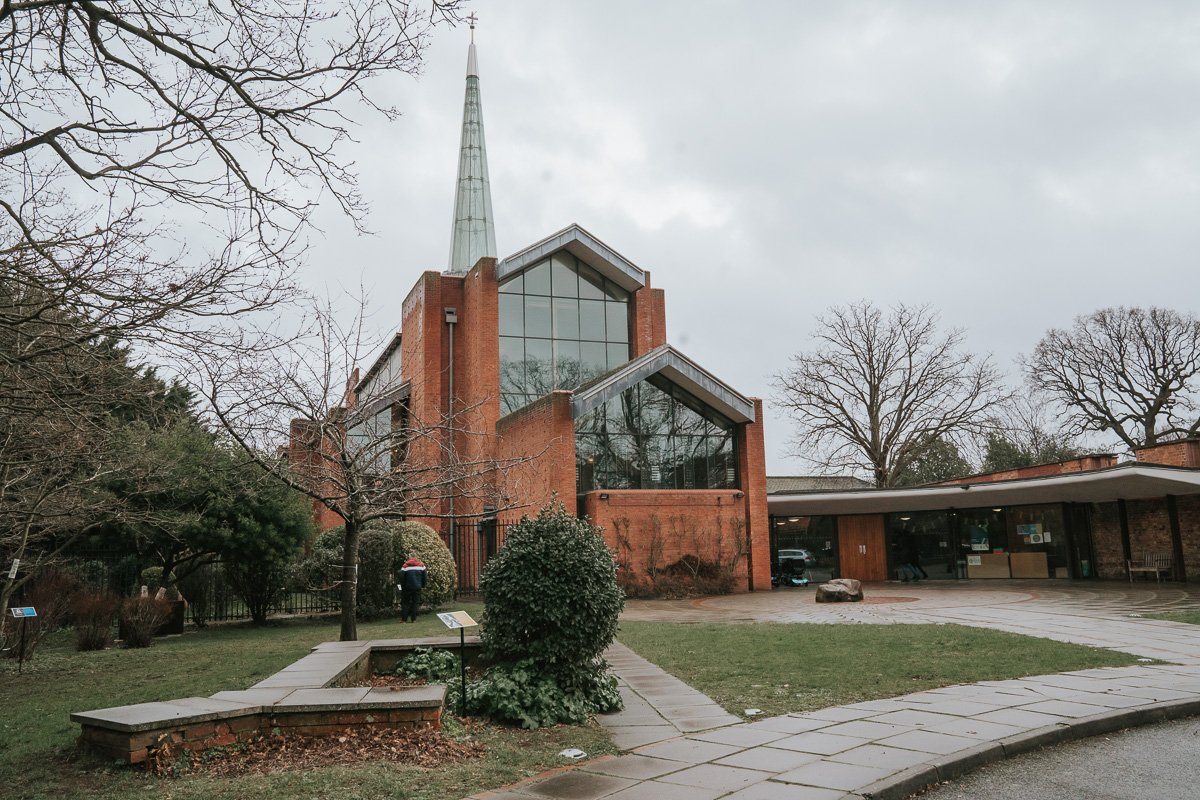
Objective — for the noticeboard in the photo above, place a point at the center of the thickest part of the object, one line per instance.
(457, 619)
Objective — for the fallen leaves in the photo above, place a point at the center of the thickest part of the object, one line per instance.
(419, 747)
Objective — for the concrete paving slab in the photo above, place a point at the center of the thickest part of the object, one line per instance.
(656, 790)
(834, 775)
(867, 729)
(715, 776)
(688, 751)
(768, 759)
(322, 700)
(578, 785)
(770, 790)
(819, 742)
(791, 724)
(632, 738)
(739, 735)
(874, 755)
(928, 742)
(975, 728)
(632, 765)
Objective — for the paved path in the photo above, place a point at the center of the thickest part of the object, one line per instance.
(889, 748)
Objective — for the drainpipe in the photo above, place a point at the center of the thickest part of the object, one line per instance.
(451, 321)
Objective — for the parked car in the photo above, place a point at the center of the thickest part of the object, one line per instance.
(798, 554)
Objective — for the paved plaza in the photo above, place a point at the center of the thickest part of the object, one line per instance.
(678, 744)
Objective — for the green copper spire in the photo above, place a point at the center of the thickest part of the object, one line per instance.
(474, 232)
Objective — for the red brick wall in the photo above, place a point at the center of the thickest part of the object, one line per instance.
(707, 523)
(536, 453)
(308, 460)
(752, 469)
(1175, 454)
(1106, 540)
(648, 320)
(1082, 464)
(477, 385)
(1149, 526)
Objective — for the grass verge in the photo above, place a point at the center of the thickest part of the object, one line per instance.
(1191, 617)
(785, 668)
(38, 759)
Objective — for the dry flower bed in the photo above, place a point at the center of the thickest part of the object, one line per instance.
(420, 747)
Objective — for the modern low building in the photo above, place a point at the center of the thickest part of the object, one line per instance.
(550, 372)
(1083, 518)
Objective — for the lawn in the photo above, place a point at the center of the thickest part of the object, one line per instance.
(1191, 617)
(38, 758)
(784, 668)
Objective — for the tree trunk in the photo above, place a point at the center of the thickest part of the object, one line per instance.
(349, 594)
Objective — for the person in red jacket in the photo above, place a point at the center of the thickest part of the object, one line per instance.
(412, 581)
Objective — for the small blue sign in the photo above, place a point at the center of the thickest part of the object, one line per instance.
(27, 611)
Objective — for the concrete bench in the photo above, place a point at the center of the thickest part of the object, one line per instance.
(313, 696)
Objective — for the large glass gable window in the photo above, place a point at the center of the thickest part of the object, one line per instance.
(654, 436)
(561, 324)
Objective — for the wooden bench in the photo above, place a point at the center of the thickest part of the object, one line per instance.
(1158, 563)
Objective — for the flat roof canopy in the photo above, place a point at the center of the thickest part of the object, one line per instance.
(1124, 482)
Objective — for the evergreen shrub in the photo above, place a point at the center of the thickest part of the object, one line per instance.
(383, 546)
(551, 604)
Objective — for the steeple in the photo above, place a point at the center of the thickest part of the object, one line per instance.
(474, 233)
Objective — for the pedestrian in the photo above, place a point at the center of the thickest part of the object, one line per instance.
(912, 557)
(412, 581)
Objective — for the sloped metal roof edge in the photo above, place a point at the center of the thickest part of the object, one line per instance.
(679, 369)
(1146, 477)
(582, 244)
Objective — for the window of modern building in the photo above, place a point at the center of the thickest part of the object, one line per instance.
(654, 435)
(561, 324)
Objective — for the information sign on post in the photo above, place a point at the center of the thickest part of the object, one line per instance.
(460, 620)
(22, 613)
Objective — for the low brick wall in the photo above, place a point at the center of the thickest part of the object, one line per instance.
(313, 696)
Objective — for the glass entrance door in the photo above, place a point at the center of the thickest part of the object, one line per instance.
(804, 548)
(928, 539)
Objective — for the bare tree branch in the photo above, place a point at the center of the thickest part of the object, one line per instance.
(879, 390)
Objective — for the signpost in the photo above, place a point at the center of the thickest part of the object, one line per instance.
(461, 620)
(23, 613)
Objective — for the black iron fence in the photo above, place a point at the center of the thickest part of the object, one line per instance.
(211, 596)
(472, 543)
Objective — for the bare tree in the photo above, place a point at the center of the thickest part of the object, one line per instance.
(880, 388)
(1133, 372)
(159, 164)
(363, 457)
(130, 128)
(1027, 432)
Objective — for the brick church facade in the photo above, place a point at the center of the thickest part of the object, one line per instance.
(549, 376)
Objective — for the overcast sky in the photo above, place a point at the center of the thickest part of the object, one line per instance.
(1014, 164)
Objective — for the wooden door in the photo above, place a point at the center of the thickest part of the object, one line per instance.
(862, 547)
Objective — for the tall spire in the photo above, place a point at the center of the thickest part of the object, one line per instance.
(474, 233)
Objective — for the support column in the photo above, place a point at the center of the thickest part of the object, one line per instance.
(1176, 540)
(1126, 547)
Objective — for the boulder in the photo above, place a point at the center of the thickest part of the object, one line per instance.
(840, 590)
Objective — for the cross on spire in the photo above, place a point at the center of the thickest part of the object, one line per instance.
(472, 19)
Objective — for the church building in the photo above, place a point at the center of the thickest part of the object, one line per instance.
(551, 372)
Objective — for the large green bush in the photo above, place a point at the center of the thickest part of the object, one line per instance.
(551, 604)
(383, 546)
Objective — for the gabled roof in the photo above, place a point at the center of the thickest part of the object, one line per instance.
(675, 367)
(586, 248)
